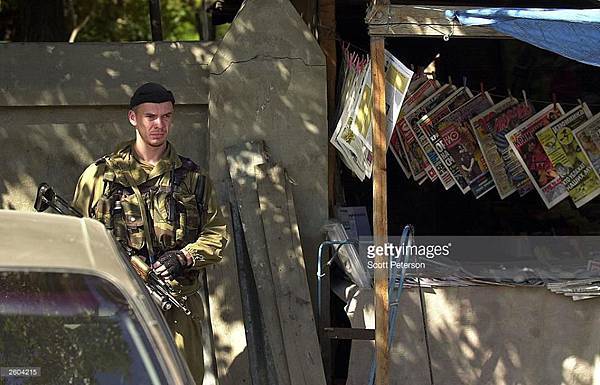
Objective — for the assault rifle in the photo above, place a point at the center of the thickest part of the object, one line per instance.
(160, 291)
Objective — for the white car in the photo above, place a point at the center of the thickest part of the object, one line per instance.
(73, 312)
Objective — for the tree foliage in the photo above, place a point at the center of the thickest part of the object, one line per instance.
(96, 20)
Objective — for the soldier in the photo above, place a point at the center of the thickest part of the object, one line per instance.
(162, 208)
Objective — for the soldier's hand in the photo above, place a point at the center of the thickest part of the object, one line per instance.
(171, 264)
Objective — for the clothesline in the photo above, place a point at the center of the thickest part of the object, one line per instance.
(348, 44)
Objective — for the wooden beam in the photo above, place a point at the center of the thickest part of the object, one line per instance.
(255, 348)
(327, 32)
(380, 209)
(204, 18)
(289, 276)
(155, 20)
(422, 20)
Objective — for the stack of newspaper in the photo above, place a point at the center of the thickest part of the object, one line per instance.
(578, 289)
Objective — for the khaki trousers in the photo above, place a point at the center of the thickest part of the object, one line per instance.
(187, 331)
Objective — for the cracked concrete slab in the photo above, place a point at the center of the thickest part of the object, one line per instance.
(268, 82)
(267, 29)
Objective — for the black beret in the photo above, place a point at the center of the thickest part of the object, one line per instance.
(151, 93)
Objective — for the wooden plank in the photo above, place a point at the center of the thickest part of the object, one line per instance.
(422, 20)
(327, 30)
(350, 333)
(380, 209)
(324, 312)
(250, 304)
(307, 315)
(289, 276)
(242, 160)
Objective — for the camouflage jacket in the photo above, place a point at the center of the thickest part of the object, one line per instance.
(200, 230)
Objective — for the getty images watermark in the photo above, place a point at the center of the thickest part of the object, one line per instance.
(396, 255)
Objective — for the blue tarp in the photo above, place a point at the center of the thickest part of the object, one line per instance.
(573, 33)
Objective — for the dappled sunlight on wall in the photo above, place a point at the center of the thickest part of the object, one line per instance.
(65, 105)
(489, 335)
(268, 82)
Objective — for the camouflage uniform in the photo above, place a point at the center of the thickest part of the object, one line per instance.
(200, 230)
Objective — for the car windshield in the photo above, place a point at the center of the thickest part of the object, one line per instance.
(74, 328)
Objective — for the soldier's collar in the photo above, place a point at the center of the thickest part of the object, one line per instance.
(124, 160)
(168, 162)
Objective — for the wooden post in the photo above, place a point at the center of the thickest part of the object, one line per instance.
(380, 210)
(327, 32)
(204, 18)
(155, 22)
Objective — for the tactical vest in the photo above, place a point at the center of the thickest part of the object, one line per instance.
(174, 211)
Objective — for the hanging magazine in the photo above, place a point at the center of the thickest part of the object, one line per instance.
(567, 157)
(355, 154)
(420, 166)
(425, 132)
(417, 161)
(490, 128)
(458, 148)
(397, 80)
(426, 88)
(530, 154)
(588, 137)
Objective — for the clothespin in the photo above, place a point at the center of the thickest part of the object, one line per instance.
(449, 79)
(554, 101)
(464, 81)
(525, 97)
(481, 88)
(509, 93)
(580, 102)
(346, 49)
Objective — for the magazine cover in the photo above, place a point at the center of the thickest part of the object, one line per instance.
(489, 128)
(419, 165)
(458, 148)
(401, 158)
(424, 131)
(588, 138)
(431, 171)
(397, 80)
(427, 88)
(567, 157)
(355, 154)
(532, 157)
(417, 161)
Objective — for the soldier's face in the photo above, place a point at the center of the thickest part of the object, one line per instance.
(152, 122)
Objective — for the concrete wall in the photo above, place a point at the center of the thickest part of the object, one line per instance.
(64, 105)
(485, 335)
(267, 82)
